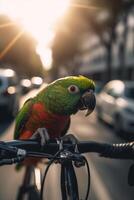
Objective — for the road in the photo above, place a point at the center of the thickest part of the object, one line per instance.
(108, 177)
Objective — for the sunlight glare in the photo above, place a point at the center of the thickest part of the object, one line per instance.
(45, 55)
(37, 17)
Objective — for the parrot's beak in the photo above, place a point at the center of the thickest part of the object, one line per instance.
(87, 102)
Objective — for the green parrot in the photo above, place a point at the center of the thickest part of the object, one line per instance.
(51, 108)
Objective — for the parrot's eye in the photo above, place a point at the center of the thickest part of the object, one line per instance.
(73, 89)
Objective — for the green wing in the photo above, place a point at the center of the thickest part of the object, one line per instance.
(22, 117)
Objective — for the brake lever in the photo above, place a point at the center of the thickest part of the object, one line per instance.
(11, 161)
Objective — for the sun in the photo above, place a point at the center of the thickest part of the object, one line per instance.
(37, 17)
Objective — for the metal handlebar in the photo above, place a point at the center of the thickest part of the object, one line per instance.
(60, 151)
(17, 150)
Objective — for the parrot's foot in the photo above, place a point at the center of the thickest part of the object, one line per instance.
(71, 138)
(79, 162)
(42, 135)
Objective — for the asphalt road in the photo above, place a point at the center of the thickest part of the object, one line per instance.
(108, 176)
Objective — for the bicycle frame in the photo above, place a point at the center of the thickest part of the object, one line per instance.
(69, 186)
(30, 189)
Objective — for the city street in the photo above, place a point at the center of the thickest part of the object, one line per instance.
(108, 177)
(82, 50)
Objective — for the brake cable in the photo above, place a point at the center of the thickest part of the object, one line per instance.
(88, 180)
(46, 171)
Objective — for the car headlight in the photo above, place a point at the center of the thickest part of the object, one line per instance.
(129, 111)
(11, 90)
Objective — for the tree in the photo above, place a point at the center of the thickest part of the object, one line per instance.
(67, 41)
(98, 17)
(104, 24)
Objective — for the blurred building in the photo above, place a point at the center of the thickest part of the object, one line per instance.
(92, 59)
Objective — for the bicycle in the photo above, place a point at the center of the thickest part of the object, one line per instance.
(68, 155)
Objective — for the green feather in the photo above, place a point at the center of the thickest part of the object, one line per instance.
(57, 98)
(22, 117)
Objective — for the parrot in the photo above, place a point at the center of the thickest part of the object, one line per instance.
(48, 114)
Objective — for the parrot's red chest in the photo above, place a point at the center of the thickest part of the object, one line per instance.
(55, 124)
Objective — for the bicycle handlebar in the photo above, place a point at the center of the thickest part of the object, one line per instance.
(32, 148)
(15, 151)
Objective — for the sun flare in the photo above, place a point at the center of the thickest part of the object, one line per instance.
(37, 17)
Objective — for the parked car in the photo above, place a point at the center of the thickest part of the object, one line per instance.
(98, 87)
(115, 105)
(26, 85)
(36, 82)
(9, 92)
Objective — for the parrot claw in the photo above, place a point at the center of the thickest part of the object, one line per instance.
(42, 135)
(73, 139)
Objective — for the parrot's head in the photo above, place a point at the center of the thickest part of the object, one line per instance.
(70, 94)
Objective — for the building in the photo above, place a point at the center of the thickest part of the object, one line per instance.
(92, 60)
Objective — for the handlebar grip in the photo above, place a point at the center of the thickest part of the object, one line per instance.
(122, 151)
